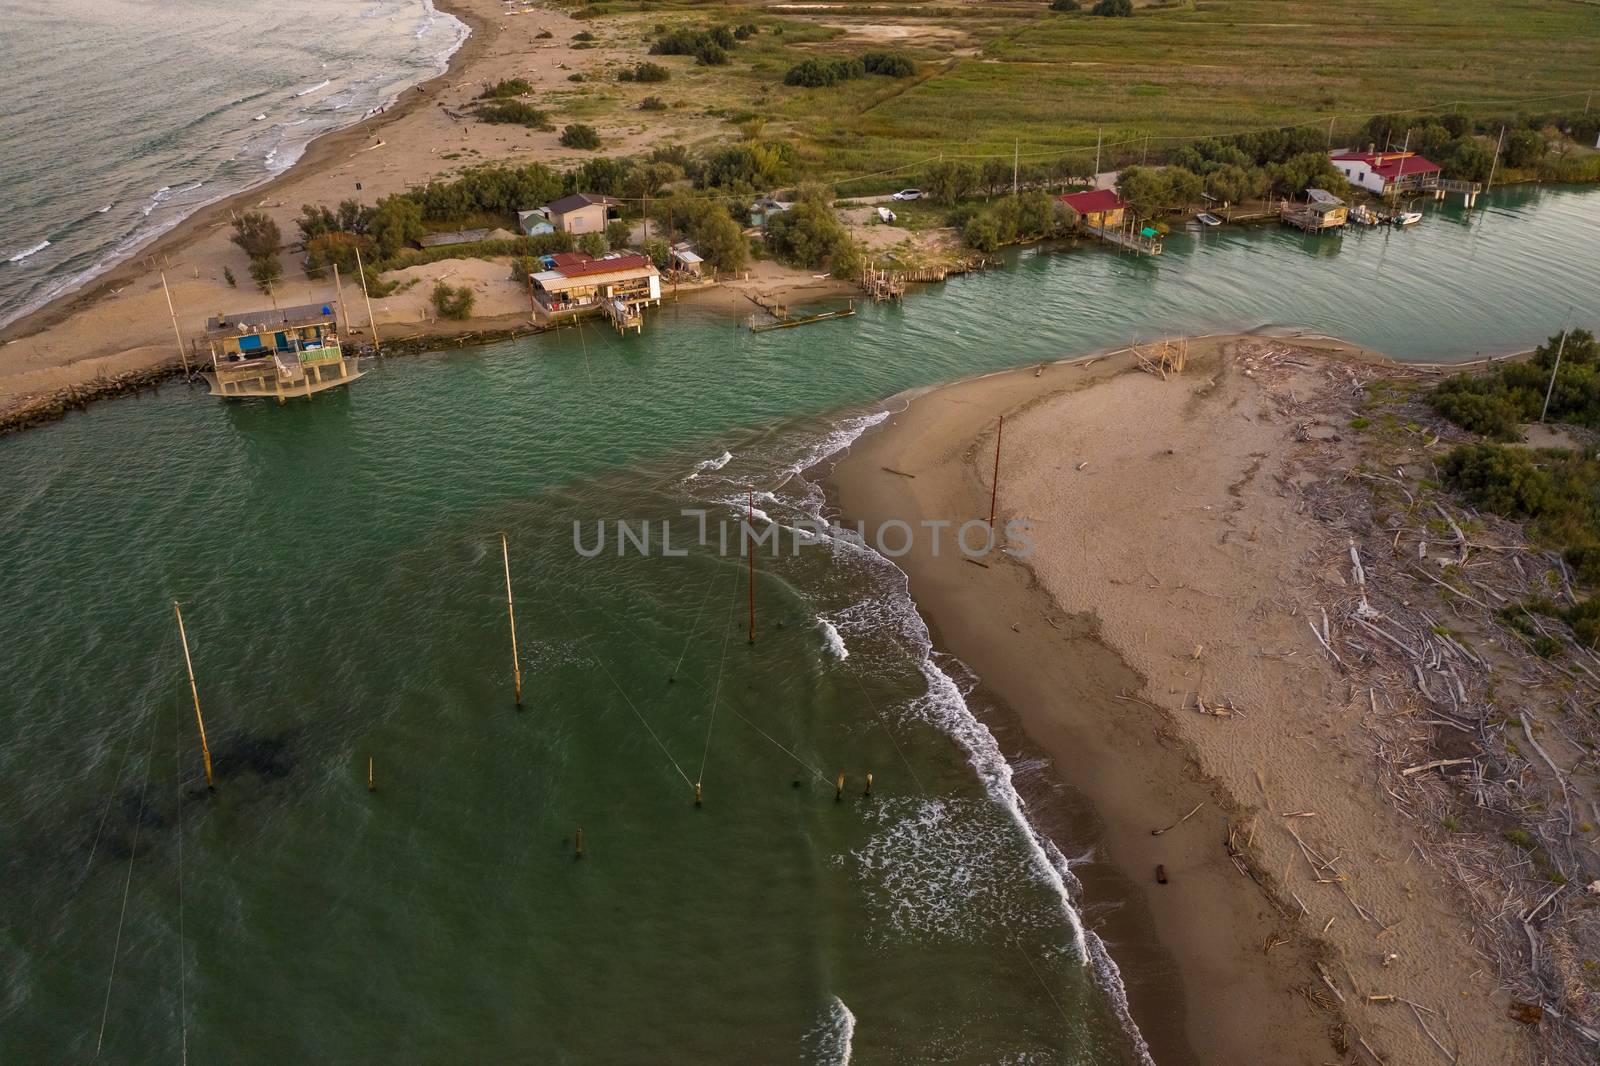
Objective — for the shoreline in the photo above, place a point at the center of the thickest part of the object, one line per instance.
(1083, 691)
(319, 153)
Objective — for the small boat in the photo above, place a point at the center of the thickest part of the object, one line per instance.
(1208, 219)
(1408, 218)
(1363, 215)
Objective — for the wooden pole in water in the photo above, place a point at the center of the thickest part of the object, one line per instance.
(838, 788)
(371, 784)
(750, 526)
(511, 615)
(994, 483)
(176, 332)
(372, 323)
(205, 749)
(868, 792)
(578, 847)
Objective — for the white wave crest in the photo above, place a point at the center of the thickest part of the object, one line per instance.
(26, 252)
(830, 634)
(830, 1041)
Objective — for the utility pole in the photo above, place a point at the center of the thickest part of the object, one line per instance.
(1016, 160)
(338, 287)
(1331, 121)
(1098, 137)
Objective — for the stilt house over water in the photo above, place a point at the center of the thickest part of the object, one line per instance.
(283, 352)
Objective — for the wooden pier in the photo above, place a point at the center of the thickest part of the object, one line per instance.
(804, 320)
(883, 284)
(1126, 237)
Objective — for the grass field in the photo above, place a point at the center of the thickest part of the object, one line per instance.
(998, 75)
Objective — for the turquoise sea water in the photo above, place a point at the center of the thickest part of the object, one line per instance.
(122, 117)
(339, 565)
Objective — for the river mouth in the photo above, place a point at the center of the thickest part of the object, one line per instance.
(338, 563)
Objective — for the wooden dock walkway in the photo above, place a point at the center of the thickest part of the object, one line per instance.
(1132, 240)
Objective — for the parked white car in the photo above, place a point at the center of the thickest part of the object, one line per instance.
(907, 194)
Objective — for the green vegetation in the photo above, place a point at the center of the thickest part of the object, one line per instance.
(577, 135)
(646, 72)
(1032, 215)
(658, 252)
(810, 235)
(1113, 8)
(265, 272)
(1497, 403)
(1065, 5)
(259, 237)
(710, 47)
(1558, 493)
(227, 275)
(514, 113)
(505, 90)
(815, 73)
(716, 236)
(652, 103)
(452, 303)
(618, 233)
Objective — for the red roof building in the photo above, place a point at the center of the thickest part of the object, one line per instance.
(1375, 171)
(1093, 202)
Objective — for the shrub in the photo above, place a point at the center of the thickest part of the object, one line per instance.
(646, 72)
(576, 76)
(583, 35)
(593, 244)
(716, 236)
(888, 64)
(947, 182)
(811, 236)
(256, 233)
(504, 90)
(658, 252)
(618, 233)
(543, 35)
(1113, 8)
(1558, 491)
(1494, 404)
(452, 303)
(227, 275)
(514, 113)
(745, 30)
(981, 233)
(265, 270)
(396, 222)
(652, 103)
(577, 135)
(1065, 5)
(709, 47)
(816, 73)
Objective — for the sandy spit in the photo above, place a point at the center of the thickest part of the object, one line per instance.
(1164, 578)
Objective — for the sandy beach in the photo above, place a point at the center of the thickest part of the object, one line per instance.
(118, 326)
(1155, 645)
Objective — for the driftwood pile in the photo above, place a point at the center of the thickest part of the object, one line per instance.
(1491, 750)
